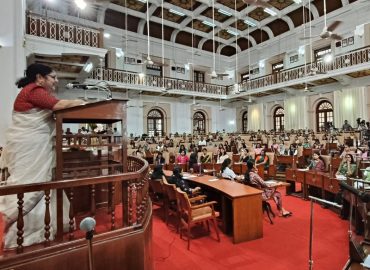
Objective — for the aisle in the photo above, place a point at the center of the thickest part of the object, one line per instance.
(283, 246)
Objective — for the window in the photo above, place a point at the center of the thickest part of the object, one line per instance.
(277, 67)
(245, 122)
(155, 123)
(320, 53)
(198, 76)
(279, 119)
(324, 115)
(199, 123)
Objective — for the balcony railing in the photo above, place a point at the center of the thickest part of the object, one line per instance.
(134, 199)
(63, 31)
(348, 60)
(151, 81)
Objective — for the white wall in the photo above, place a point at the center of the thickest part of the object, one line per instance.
(12, 58)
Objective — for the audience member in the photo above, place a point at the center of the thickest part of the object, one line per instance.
(227, 172)
(253, 179)
(317, 163)
(178, 180)
(347, 167)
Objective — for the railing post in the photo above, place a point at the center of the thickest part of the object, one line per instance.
(47, 218)
(20, 223)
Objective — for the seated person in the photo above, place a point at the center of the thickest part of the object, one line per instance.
(159, 147)
(227, 172)
(202, 141)
(227, 146)
(182, 148)
(306, 144)
(182, 158)
(366, 174)
(292, 151)
(140, 152)
(346, 150)
(274, 146)
(159, 159)
(205, 158)
(193, 161)
(347, 167)
(263, 159)
(317, 163)
(258, 149)
(221, 156)
(157, 173)
(181, 183)
(244, 155)
(253, 179)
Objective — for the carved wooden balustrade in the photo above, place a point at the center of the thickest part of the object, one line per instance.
(135, 201)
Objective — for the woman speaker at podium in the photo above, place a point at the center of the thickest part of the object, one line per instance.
(29, 155)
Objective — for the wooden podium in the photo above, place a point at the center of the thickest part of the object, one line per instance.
(91, 155)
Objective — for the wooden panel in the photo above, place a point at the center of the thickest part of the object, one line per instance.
(247, 217)
(110, 250)
(331, 184)
(314, 179)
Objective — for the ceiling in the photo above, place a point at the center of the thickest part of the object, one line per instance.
(190, 30)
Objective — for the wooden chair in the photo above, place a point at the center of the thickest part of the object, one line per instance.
(191, 214)
(157, 194)
(170, 202)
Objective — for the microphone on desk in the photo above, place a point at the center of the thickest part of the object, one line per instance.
(80, 86)
(365, 197)
(88, 225)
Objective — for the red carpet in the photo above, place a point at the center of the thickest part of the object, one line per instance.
(283, 246)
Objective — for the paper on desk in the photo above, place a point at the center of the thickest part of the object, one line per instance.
(188, 176)
(302, 170)
(213, 179)
(271, 182)
(366, 263)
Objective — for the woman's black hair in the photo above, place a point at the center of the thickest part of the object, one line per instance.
(177, 171)
(157, 172)
(225, 164)
(31, 72)
(352, 159)
(247, 178)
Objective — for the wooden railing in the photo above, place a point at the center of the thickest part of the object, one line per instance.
(63, 31)
(135, 201)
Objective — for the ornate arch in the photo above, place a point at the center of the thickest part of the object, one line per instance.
(199, 122)
(278, 117)
(324, 114)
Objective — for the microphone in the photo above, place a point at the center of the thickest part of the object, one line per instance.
(80, 86)
(365, 197)
(88, 225)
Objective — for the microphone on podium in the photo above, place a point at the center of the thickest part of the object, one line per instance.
(88, 225)
(80, 86)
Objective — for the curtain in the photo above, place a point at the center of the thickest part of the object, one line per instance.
(295, 113)
(350, 104)
(256, 117)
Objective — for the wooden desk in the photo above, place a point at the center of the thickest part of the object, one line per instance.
(241, 207)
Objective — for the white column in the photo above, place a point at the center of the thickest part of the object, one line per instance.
(12, 57)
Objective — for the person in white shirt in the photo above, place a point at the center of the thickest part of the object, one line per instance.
(202, 142)
(227, 172)
(221, 155)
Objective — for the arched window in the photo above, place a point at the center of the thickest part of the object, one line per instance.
(155, 123)
(245, 122)
(279, 119)
(324, 115)
(199, 123)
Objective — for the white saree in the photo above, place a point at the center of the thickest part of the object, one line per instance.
(30, 158)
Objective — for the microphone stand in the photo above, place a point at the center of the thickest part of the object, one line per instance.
(312, 198)
(89, 236)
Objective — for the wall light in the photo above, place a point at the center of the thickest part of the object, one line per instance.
(81, 4)
(88, 67)
(301, 50)
(328, 58)
(106, 35)
(141, 75)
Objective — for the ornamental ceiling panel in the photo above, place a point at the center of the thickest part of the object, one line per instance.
(220, 17)
(132, 4)
(359, 74)
(281, 4)
(224, 34)
(258, 14)
(198, 25)
(240, 5)
(185, 4)
(324, 81)
(167, 15)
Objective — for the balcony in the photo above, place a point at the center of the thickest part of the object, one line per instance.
(354, 64)
(63, 31)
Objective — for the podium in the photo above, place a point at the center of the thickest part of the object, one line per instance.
(91, 155)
